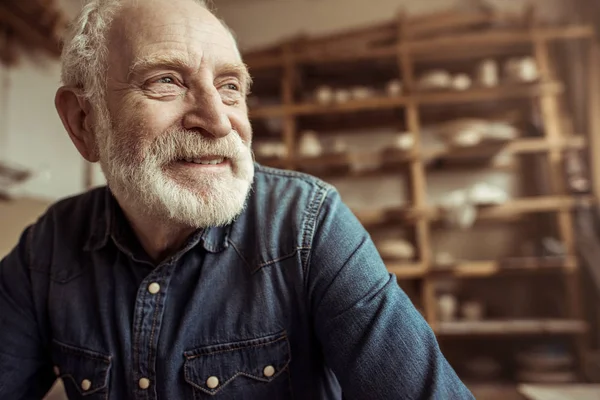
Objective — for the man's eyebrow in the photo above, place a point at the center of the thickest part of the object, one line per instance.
(180, 62)
(239, 70)
(171, 61)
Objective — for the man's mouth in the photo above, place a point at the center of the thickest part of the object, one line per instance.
(204, 160)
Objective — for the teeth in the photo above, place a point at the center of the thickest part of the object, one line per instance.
(189, 160)
(208, 162)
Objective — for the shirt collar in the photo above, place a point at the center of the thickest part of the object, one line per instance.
(104, 223)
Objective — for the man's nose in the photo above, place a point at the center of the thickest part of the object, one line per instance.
(207, 114)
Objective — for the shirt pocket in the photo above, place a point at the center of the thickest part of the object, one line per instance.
(249, 369)
(85, 373)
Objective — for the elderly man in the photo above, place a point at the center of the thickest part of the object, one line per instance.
(196, 273)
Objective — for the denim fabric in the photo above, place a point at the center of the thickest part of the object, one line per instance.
(291, 301)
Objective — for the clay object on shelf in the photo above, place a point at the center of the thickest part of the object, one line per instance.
(394, 88)
(461, 82)
(398, 249)
(404, 141)
(362, 92)
(552, 247)
(459, 210)
(472, 310)
(499, 130)
(577, 175)
(342, 96)
(464, 132)
(444, 260)
(483, 193)
(270, 149)
(522, 70)
(488, 74)
(547, 376)
(310, 146)
(447, 307)
(338, 146)
(438, 79)
(324, 95)
(469, 132)
(545, 358)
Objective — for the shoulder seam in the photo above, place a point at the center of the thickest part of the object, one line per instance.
(294, 174)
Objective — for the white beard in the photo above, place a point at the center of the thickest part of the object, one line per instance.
(144, 183)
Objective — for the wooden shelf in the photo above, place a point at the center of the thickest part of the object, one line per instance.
(475, 95)
(396, 51)
(531, 205)
(484, 269)
(433, 98)
(347, 164)
(442, 48)
(389, 160)
(507, 210)
(511, 327)
(385, 216)
(406, 270)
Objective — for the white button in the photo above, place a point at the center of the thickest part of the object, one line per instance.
(56, 370)
(154, 288)
(212, 382)
(86, 384)
(144, 383)
(269, 371)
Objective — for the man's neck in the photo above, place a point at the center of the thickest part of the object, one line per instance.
(159, 238)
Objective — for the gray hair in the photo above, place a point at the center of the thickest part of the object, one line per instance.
(85, 51)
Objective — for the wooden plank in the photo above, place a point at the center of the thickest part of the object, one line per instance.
(560, 392)
(418, 184)
(531, 205)
(528, 206)
(483, 94)
(351, 106)
(406, 270)
(447, 44)
(489, 269)
(499, 37)
(512, 327)
(551, 117)
(508, 210)
(287, 95)
(438, 98)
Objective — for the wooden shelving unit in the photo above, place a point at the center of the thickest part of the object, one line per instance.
(409, 45)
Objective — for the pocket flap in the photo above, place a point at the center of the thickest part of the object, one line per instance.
(87, 369)
(211, 368)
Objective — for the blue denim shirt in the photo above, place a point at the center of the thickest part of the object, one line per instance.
(291, 301)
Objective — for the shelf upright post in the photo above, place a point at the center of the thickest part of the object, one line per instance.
(551, 117)
(287, 95)
(417, 170)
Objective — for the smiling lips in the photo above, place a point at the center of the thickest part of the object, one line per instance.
(209, 160)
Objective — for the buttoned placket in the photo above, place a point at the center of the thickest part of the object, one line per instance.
(149, 310)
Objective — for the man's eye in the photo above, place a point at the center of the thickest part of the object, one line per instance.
(166, 79)
(232, 86)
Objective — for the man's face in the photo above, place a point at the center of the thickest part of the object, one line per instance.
(174, 137)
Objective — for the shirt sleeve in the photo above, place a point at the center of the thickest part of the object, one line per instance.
(373, 338)
(25, 369)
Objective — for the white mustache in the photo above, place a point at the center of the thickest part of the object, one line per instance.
(180, 144)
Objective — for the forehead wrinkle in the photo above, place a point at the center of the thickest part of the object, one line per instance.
(177, 59)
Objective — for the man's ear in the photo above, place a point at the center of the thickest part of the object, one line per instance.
(75, 113)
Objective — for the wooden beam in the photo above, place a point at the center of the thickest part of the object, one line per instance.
(448, 44)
